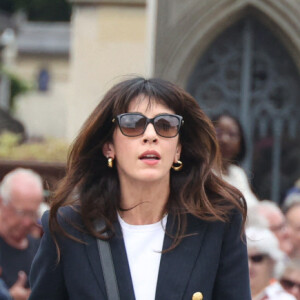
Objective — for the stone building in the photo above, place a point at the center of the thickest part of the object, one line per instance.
(110, 40)
(42, 59)
(241, 56)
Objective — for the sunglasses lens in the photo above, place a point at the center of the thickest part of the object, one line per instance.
(257, 258)
(287, 284)
(132, 124)
(167, 125)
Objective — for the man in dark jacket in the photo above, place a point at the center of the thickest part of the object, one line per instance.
(21, 193)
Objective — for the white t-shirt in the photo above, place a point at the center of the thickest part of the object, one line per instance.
(143, 246)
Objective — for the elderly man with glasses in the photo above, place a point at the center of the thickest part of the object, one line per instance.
(266, 261)
(276, 223)
(21, 194)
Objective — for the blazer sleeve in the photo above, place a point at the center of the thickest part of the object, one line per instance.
(46, 276)
(232, 280)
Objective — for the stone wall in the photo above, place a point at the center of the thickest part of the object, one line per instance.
(43, 113)
(186, 28)
(109, 42)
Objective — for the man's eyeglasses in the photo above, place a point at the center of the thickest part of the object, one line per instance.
(257, 258)
(24, 213)
(289, 284)
(135, 124)
(280, 227)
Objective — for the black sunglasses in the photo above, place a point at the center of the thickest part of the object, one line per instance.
(135, 124)
(258, 258)
(289, 284)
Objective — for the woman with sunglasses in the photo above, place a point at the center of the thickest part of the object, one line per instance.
(144, 168)
(266, 261)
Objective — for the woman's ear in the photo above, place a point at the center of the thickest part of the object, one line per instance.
(177, 153)
(108, 150)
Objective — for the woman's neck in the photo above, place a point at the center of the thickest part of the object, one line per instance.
(225, 166)
(143, 203)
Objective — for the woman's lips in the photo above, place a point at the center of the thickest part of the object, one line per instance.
(150, 157)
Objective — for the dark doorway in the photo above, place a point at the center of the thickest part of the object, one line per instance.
(246, 71)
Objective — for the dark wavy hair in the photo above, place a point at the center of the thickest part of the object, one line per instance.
(242, 153)
(94, 188)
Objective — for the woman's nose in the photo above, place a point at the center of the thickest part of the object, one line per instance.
(225, 138)
(150, 134)
(27, 221)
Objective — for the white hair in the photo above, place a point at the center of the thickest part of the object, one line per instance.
(6, 184)
(257, 213)
(290, 201)
(272, 206)
(292, 264)
(265, 242)
(255, 218)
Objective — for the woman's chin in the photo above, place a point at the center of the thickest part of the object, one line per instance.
(153, 176)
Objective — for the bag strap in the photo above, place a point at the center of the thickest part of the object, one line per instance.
(107, 264)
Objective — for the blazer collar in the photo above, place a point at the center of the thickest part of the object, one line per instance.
(175, 269)
(121, 265)
(177, 265)
(94, 260)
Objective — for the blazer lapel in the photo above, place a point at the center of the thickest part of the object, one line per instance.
(176, 265)
(94, 260)
(121, 264)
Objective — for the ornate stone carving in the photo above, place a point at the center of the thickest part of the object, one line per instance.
(183, 34)
(248, 73)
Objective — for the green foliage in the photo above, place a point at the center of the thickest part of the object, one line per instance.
(50, 150)
(18, 86)
(7, 142)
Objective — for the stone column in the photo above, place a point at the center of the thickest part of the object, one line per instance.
(109, 41)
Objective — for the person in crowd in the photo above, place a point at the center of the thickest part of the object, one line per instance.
(233, 148)
(21, 193)
(276, 223)
(290, 278)
(144, 164)
(265, 264)
(291, 208)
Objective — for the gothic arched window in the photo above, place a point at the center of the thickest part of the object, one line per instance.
(248, 72)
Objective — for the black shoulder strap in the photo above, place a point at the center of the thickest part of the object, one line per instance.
(107, 264)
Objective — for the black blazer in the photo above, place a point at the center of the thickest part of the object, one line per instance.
(212, 261)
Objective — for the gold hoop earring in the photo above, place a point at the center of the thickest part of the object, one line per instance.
(110, 162)
(177, 166)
